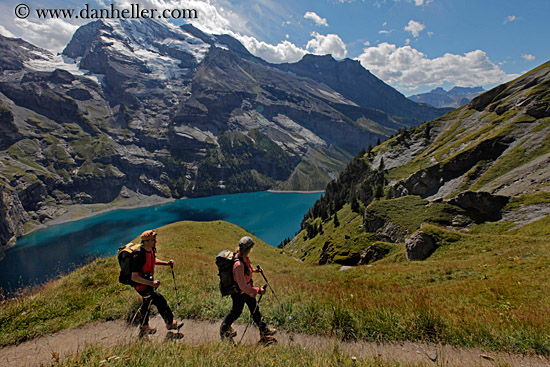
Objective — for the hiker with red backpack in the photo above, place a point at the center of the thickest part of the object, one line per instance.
(142, 277)
(245, 293)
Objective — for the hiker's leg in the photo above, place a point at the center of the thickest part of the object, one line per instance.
(162, 306)
(144, 309)
(254, 308)
(236, 310)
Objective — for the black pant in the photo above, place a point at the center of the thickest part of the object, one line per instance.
(150, 295)
(238, 304)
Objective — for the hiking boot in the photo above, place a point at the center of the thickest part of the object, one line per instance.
(267, 340)
(227, 332)
(146, 330)
(174, 325)
(267, 331)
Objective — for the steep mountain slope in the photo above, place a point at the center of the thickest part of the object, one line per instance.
(456, 97)
(483, 162)
(169, 111)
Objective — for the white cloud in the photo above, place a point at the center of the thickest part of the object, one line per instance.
(4, 32)
(329, 44)
(406, 68)
(510, 18)
(316, 18)
(421, 2)
(414, 28)
(284, 51)
(51, 34)
(529, 57)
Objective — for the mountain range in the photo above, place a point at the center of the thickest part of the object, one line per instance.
(156, 109)
(484, 164)
(456, 97)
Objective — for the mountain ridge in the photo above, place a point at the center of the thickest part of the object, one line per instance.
(476, 165)
(455, 97)
(170, 111)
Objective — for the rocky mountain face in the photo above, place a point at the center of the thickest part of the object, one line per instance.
(454, 98)
(488, 161)
(172, 111)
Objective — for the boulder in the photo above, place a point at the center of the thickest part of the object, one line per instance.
(420, 246)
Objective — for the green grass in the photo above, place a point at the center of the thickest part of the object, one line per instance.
(528, 199)
(345, 241)
(483, 290)
(217, 355)
(409, 212)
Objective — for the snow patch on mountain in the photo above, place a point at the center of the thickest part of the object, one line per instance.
(47, 62)
(145, 35)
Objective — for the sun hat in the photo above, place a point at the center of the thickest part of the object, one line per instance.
(148, 235)
(245, 243)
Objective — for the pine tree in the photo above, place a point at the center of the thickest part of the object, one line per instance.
(336, 221)
(381, 165)
(379, 191)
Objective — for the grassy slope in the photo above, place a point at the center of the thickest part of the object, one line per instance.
(217, 355)
(478, 290)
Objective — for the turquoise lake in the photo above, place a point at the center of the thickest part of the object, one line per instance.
(48, 252)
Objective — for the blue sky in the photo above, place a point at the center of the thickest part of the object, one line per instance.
(413, 45)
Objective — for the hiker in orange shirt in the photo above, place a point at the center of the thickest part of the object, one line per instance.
(242, 275)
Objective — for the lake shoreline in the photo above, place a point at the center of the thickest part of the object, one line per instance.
(126, 201)
(76, 212)
(71, 215)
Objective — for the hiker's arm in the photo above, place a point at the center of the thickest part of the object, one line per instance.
(238, 275)
(161, 262)
(137, 279)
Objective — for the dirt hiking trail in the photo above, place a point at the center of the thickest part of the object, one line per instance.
(46, 349)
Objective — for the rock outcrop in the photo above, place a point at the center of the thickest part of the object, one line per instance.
(481, 206)
(419, 246)
(372, 253)
(12, 218)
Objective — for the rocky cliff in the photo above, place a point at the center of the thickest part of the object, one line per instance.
(487, 161)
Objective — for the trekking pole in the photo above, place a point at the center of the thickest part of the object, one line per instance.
(255, 309)
(260, 270)
(142, 321)
(175, 287)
